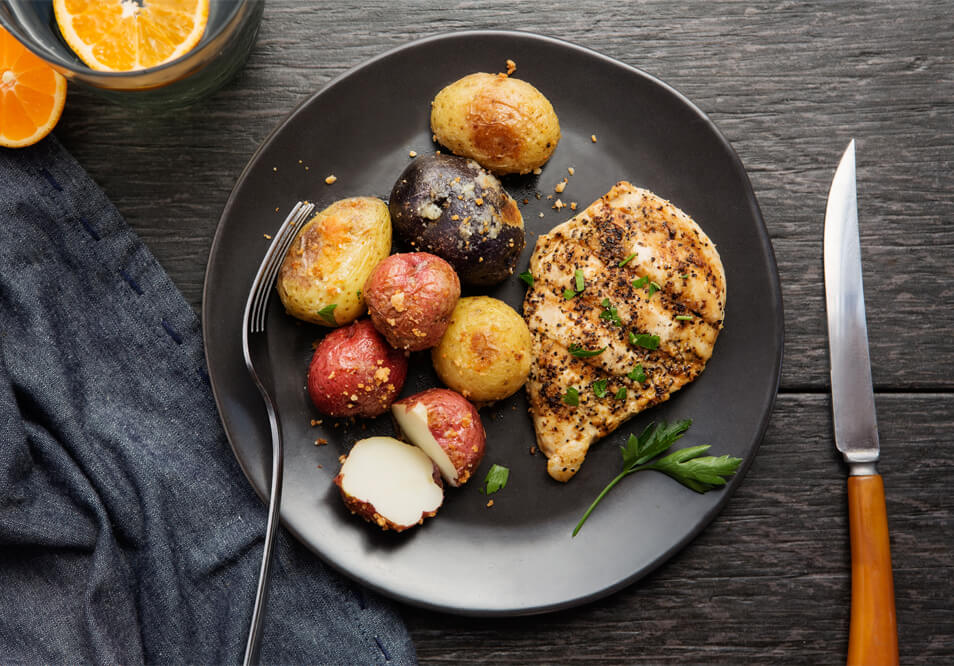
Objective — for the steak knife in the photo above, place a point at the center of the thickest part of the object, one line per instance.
(873, 635)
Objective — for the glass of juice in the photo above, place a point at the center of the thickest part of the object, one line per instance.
(231, 27)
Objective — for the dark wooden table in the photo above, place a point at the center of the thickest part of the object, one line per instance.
(788, 83)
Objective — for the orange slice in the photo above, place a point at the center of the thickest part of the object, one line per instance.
(32, 95)
(125, 35)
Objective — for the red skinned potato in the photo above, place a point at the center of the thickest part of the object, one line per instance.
(355, 372)
(389, 483)
(446, 426)
(411, 297)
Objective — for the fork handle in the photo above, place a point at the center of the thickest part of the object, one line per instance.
(253, 645)
(873, 633)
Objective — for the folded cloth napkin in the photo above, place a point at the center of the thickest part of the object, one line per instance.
(128, 533)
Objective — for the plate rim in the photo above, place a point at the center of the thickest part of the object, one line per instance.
(774, 287)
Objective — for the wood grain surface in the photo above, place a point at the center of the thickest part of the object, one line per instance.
(788, 83)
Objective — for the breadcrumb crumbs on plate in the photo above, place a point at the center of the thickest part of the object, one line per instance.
(570, 170)
(558, 204)
(490, 503)
(560, 186)
(412, 153)
(276, 209)
(267, 236)
(541, 214)
(537, 171)
(593, 138)
(274, 168)
(315, 422)
(572, 205)
(321, 441)
(511, 67)
(330, 179)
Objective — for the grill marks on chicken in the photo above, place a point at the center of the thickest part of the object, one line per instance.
(673, 287)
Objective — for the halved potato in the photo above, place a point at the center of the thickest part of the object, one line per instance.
(325, 269)
(389, 483)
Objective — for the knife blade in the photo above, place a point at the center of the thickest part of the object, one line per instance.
(873, 636)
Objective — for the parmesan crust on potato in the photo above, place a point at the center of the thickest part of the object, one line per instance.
(325, 269)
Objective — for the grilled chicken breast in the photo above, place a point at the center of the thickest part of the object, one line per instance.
(633, 335)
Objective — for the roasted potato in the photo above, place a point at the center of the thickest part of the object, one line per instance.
(325, 269)
(485, 353)
(453, 208)
(355, 372)
(448, 429)
(410, 298)
(505, 124)
(389, 483)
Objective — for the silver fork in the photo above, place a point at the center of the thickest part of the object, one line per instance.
(254, 345)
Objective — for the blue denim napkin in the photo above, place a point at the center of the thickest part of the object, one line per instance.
(128, 533)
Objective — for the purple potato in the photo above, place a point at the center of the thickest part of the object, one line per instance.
(452, 207)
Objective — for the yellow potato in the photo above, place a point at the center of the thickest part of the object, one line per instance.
(485, 352)
(325, 269)
(504, 124)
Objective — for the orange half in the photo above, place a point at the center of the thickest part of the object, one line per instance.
(126, 35)
(32, 95)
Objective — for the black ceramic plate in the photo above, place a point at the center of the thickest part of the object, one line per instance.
(517, 556)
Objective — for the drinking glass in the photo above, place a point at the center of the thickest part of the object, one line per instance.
(223, 49)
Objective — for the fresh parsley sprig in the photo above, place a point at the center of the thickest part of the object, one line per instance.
(687, 466)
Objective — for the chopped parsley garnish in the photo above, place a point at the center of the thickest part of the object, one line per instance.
(683, 317)
(328, 314)
(621, 394)
(637, 374)
(578, 282)
(599, 387)
(527, 277)
(610, 313)
(579, 352)
(641, 282)
(685, 276)
(627, 260)
(653, 288)
(571, 397)
(496, 479)
(687, 466)
(644, 340)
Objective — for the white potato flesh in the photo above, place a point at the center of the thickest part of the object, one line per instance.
(413, 422)
(397, 479)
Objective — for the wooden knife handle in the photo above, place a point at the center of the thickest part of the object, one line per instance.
(873, 636)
